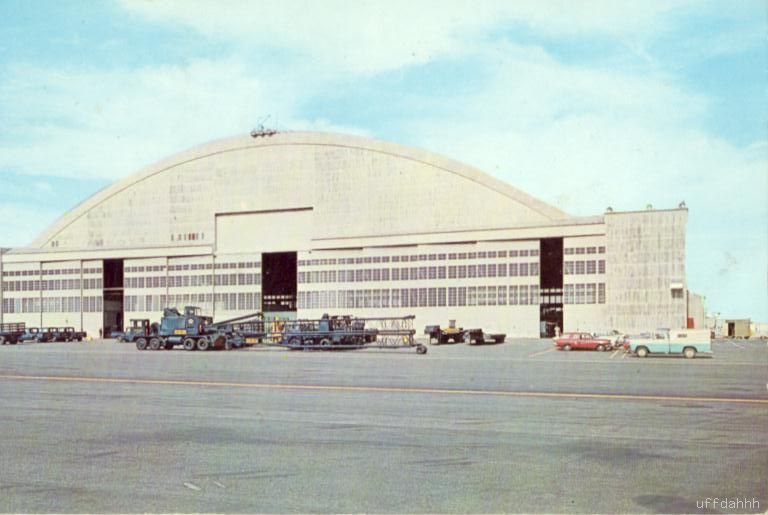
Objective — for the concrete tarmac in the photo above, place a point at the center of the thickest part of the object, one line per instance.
(518, 427)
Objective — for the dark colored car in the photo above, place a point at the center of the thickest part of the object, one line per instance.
(582, 341)
(66, 334)
(36, 334)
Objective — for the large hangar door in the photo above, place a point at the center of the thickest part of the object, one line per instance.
(113, 296)
(277, 235)
(284, 230)
(278, 283)
(551, 286)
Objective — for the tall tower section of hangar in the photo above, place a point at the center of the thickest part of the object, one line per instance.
(299, 224)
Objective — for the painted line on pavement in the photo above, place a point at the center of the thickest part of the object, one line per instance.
(614, 354)
(736, 345)
(542, 352)
(388, 389)
(404, 355)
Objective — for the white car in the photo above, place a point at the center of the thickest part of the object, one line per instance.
(616, 338)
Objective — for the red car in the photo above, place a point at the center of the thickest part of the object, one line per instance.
(581, 341)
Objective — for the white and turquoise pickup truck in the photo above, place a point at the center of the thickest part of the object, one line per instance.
(681, 342)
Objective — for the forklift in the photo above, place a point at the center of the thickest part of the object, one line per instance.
(450, 334)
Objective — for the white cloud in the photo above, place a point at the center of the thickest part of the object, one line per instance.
(539, 122)
(584, 139)
(109, 123)
(368, 36)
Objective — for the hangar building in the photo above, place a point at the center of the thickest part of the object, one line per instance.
(299, 224)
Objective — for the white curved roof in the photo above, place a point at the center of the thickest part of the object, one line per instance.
(355, 187)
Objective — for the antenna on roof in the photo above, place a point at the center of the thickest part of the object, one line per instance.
(260, 131)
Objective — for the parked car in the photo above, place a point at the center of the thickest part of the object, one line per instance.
(36, 334)
(616, 338)
(581, 341)
(66, 334)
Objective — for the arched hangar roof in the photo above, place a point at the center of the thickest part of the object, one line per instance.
(354, 186)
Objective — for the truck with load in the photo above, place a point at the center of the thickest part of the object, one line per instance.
(348, 333)
(11, 333)
(336, 331)
(195, 331)
(681, 342)
(190, 329)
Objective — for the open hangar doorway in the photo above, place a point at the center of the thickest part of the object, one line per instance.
(279, 284)
(278, 235)
(113, 319)
(551, 287)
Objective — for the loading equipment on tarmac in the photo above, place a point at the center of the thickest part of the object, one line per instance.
(192, 330)
(480, 337)
(452, 334)
(139, 327)
(195, 331)
(11, 333)
(348, 332)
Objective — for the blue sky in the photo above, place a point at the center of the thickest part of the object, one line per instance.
(582, 104)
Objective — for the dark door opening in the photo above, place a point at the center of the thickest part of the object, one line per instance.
(113, 274)
(113, 312)
(551, 285)
(278, 281)
(113, 296)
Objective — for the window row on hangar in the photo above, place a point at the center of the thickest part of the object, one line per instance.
(587, 267)
(37, 272)
(491, 254)
(94, 283)
(487, 295)
(85, 304)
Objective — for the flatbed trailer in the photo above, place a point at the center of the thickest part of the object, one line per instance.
(11, 332)
(349, 333)
(480, 337)
(196, 332)
(452, 334)
(251, 329)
